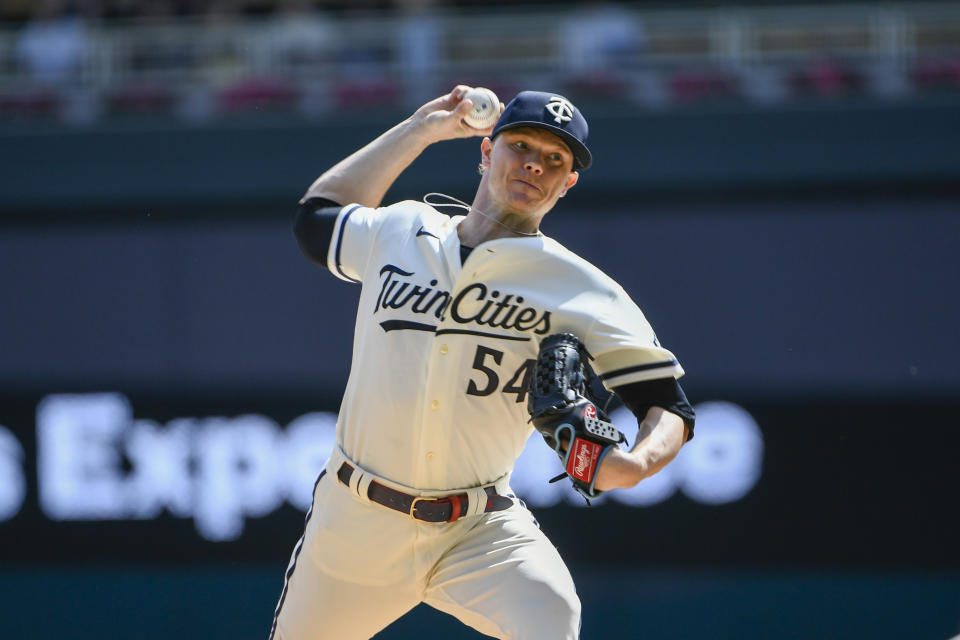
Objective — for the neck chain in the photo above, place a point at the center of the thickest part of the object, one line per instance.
(463, 205)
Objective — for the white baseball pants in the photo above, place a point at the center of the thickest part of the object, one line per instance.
(360, 566)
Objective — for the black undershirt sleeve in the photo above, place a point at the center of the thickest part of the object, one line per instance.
(313, 227)
(665, 393)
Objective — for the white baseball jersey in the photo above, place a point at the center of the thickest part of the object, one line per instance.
(442, 354)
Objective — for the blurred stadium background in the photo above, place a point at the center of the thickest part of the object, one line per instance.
(777, 185)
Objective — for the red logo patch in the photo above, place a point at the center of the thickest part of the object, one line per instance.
(590, 411)
(582, 463)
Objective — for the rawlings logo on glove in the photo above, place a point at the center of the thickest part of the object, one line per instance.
(565, 410)
(582, 462)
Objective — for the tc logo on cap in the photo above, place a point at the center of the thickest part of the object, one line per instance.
(560, 109)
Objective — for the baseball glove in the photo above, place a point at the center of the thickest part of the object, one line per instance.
(564, 407)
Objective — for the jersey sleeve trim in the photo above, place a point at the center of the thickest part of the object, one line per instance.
(335, 264)
(640, 372)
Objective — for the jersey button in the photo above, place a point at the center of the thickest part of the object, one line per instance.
(435, 405)
(443, 349)
(430, 455)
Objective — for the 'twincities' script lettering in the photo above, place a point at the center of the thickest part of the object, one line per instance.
(475, 304)
(397, 294)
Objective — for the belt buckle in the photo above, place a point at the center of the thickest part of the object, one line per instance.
(413, 505)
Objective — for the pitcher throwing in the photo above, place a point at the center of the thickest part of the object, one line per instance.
(415, 503)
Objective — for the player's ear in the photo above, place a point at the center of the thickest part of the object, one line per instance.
(571, 180)
(486, 149)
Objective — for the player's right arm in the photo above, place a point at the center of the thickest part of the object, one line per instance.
(364, 176)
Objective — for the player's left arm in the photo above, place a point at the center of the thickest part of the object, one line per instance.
(633, 364)
(666, 423)
(658, 442)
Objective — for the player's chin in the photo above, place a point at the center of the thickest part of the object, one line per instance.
(525, 208)
(533, 204)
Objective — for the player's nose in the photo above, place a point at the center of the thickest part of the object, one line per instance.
(533, 166)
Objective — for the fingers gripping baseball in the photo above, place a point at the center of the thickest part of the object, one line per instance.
(444, 118)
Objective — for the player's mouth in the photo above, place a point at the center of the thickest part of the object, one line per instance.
(529, 185)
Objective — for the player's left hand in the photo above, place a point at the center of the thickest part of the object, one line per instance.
(567, 415)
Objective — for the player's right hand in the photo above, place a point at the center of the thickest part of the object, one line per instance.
(442, 118)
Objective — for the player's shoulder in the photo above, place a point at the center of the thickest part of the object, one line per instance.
(391, 223)
(411, 214)
(411, 208)
(581, 267)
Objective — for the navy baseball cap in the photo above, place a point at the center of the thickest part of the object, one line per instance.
(552, 112)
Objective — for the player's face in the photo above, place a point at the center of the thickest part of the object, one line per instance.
(528, 169)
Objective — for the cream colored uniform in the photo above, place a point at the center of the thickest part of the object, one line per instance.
(436, 404)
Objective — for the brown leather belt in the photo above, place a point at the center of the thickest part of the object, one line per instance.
(445, 509)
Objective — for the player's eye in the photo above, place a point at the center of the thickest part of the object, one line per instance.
(556, 157)
(520, 144)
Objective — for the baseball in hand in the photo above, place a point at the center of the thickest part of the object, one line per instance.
(486, 108)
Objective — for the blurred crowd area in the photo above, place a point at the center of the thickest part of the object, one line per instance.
(85, 60)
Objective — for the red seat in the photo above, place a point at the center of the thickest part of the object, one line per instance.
(367, 92)
(140, 98)
(694, 85)
(258, 94)
(38, 103)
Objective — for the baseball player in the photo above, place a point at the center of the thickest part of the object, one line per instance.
(414, 504)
